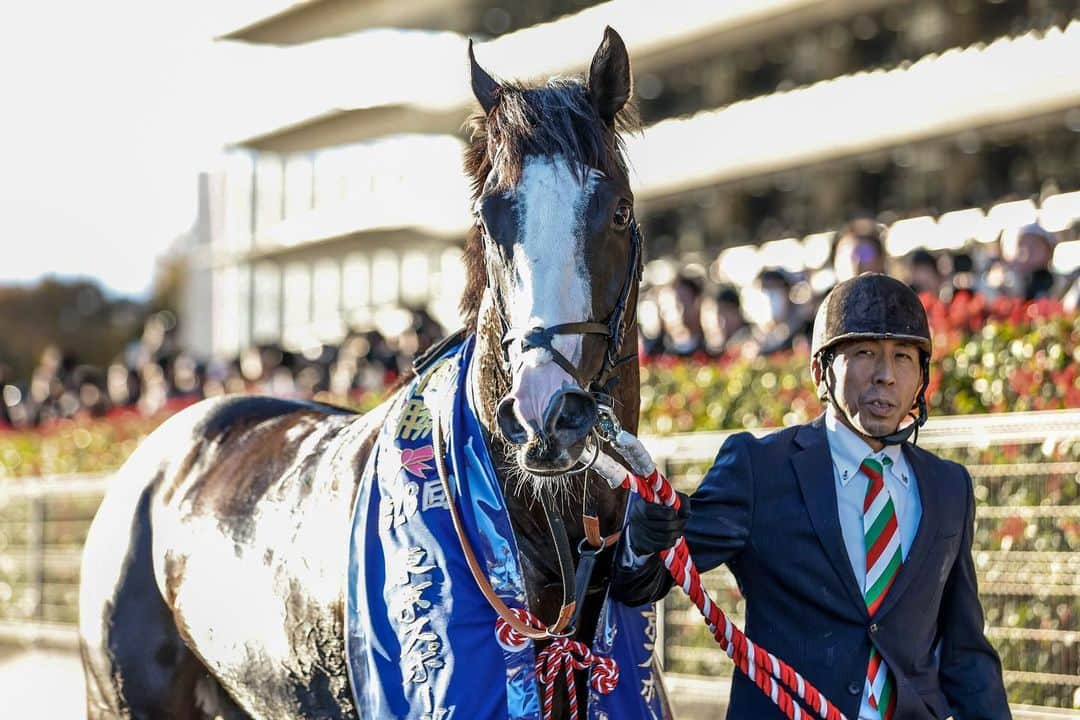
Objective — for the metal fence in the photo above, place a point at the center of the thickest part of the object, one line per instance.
(1026, 469)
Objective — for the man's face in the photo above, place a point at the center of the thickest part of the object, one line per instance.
(876, 383)
(778, 296)
(678, 306)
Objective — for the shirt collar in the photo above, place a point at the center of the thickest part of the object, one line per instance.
(849, 450)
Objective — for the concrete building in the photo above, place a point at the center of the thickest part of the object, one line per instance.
(766, 125)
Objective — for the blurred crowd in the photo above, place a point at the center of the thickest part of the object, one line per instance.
(155, 374)
(690, 314)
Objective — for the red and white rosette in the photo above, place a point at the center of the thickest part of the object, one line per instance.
(558, 662)
(510, 639)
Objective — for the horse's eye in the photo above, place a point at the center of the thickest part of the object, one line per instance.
(621, 218)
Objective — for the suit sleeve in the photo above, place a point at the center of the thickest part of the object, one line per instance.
(970, 673)
(720, 513)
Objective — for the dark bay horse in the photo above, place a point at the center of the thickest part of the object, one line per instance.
(213, 575)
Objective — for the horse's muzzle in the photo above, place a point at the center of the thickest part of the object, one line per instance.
(571, 413)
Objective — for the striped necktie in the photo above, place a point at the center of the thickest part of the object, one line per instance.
(883, 560)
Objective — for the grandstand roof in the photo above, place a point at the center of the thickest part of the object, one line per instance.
(1009, 80)
(428, 89)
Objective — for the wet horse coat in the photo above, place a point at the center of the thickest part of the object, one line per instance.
(214, 574)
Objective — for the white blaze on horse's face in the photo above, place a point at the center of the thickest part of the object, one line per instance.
(550, 283)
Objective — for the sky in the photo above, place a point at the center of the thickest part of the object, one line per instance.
(109, 115)
(111, 109)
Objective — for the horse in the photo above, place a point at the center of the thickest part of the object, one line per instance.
(214, 573)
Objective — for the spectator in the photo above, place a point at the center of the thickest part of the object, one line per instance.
(723, 324)
(1031, 266)
(427, 330)
(924, 275)
(121, 384)
(782, 323)
(154, 388)
(6, 420)
(858, 248)
(49, 399)
(680, 316)
(187, 379)
(89, 386)
(960, 277)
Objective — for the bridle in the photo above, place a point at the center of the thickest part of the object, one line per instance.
(614, 329)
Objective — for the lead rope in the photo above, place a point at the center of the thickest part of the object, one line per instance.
(772, 675)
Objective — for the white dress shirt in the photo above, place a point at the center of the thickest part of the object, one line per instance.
(848, 450)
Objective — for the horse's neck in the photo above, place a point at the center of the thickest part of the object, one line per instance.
(486, 377)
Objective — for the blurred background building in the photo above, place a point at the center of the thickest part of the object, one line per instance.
(766, 125)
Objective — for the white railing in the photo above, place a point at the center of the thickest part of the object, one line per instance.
(40, 548)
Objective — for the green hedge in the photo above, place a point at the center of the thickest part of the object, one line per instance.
(999, 357)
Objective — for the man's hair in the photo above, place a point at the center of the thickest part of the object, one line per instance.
(690, 282)
(728, 294)
(775, 274)
(922, 257)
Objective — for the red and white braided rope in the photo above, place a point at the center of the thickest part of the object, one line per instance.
(562, 654)
(772, 675)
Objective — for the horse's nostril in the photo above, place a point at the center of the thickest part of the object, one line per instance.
(574, 414)
(571, 415)
(539, 452)
(511, 428)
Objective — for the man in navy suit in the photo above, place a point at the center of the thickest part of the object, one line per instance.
(851, 545)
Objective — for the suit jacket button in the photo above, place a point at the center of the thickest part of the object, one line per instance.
(873, 628)
(854, 688)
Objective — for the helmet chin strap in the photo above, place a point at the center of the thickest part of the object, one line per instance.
(901, 434)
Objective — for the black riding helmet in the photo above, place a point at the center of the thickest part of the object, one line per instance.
(874, 306)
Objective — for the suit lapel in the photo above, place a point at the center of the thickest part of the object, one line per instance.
(813, 466)
(915, 562)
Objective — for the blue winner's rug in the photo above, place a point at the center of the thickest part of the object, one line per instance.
(420, 636)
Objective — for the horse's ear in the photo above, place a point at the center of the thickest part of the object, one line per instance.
(609, 76)
(484, 87)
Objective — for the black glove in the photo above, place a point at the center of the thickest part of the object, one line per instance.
(656, 527)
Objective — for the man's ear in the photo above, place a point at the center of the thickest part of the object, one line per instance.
(817, 370)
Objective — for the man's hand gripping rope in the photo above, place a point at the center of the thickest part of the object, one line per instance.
(772, 675)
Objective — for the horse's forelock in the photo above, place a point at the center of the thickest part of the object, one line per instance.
(554, 119)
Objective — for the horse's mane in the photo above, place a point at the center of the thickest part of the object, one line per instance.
(553, 119)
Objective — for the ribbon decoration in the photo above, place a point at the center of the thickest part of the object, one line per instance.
(563, 654)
